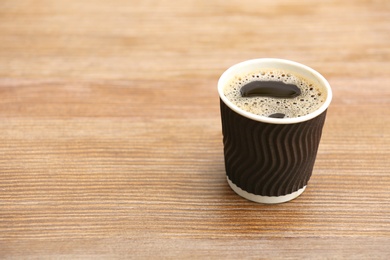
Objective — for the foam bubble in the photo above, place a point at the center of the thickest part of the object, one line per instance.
(311, 98)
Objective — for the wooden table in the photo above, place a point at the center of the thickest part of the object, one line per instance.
(111, 143)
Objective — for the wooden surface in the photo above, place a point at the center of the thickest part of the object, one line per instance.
(110, 133)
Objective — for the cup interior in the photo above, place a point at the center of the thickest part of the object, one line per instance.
(267, 63)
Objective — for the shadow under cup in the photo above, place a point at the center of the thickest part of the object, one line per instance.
(270, 160)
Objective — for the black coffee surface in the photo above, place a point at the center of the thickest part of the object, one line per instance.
(275, 89)
(277, 115)
(274, 93)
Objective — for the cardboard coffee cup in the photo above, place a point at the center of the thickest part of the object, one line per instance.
(268, 159)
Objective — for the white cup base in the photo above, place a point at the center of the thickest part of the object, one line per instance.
(265, 199)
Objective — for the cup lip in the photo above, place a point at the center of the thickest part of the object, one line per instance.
(288, 63)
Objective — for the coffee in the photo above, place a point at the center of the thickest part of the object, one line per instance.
(275, 93)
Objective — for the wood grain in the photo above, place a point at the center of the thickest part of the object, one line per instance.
(111, 144)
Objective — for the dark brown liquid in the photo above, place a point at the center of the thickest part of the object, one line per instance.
(277, 115)
(274, 93)
(276, 89)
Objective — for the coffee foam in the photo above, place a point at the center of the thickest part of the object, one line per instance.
(311, 98)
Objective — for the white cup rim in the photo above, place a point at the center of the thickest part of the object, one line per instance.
(247, 66)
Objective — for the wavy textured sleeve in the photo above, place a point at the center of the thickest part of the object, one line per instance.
(269, 159)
